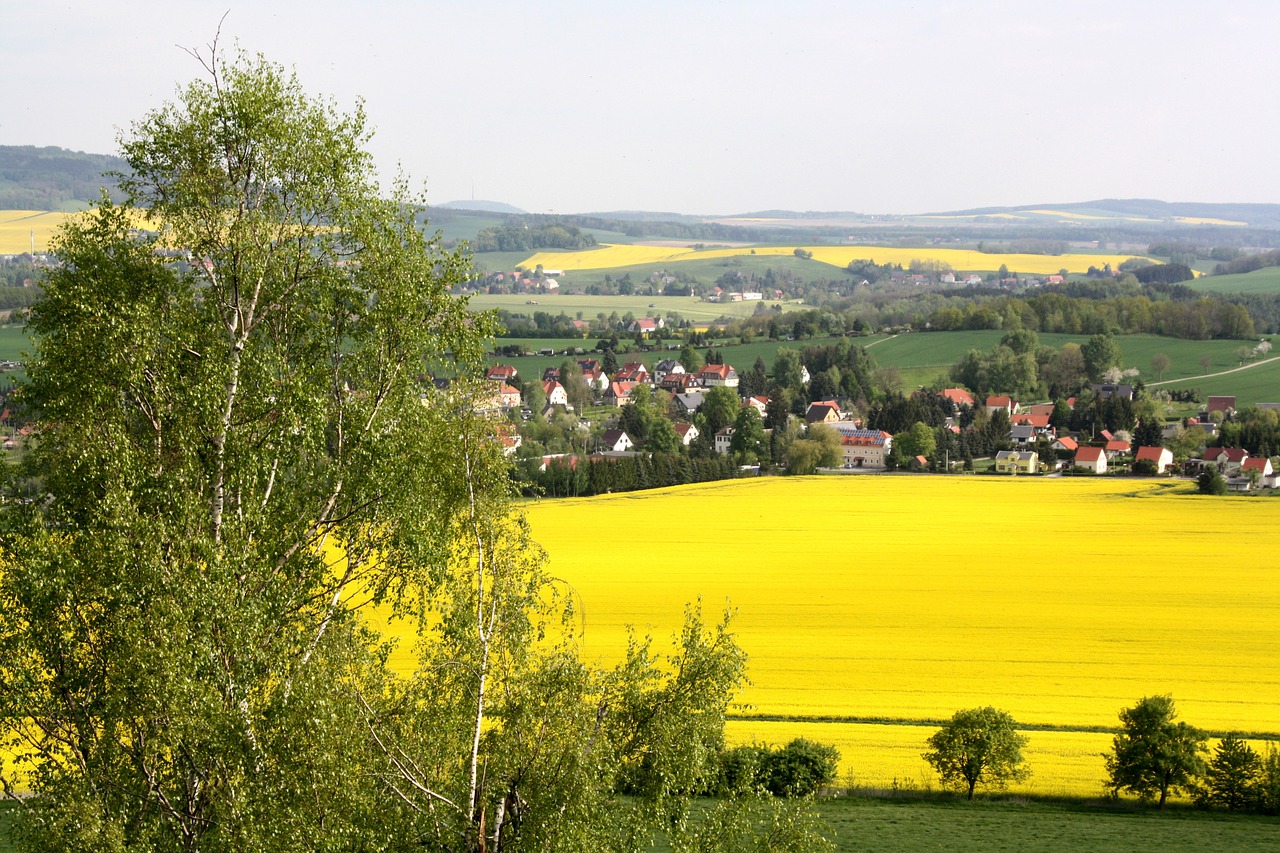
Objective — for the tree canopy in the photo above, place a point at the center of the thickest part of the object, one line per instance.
(1153, 755)
(980, 746)
(240, 452)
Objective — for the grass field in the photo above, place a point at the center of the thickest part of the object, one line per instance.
(905, 598)
(615, 256)
(1265, 281)
(1022, 826)
(1258, 384)
(689, 307)
(14, 343)
(923, 357)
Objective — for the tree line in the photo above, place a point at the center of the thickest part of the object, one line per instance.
(1153, 756)
(530, 234)
(579, 476)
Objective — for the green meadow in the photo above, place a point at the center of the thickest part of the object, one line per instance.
(1264, 281)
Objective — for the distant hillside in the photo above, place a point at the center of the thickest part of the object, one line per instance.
(1138, 209)
(52, 178)
(480, 205)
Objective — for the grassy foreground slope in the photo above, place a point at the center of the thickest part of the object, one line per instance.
(1010, 825)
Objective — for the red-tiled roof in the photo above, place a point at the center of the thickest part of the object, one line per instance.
(1068, 443)
(1149, 454)
(957, 396)
(1090, 454)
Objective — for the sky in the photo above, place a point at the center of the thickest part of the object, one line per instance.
(707, 107)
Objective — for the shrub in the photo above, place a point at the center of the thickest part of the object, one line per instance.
(798, 769)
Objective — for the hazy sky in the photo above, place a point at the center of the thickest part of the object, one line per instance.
(713, 107)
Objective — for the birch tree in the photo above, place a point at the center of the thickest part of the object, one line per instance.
(240, 454)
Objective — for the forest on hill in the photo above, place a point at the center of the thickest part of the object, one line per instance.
(52, 178)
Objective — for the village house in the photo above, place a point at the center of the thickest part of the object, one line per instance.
(677, 383)
(647, 325)
(1115, 447)
(865, 448)
(1000, 401)
(760, 404)
(665, 368)
(1065, 443)
(500, 373)
(615, 441)
(687, 433)
(1022, 435)
(632, 371)
(508, 397)
(723, 439)
(1161, 457)
(718, 375)
(1224, 404)
(1017, 461)
(509, 437)
(822, 412)
(957, 397)
(1228, 460)
(1258, 470)
(1038, 422)
(1093, 459)
(555, 392)
(687, 404)
(618, 393)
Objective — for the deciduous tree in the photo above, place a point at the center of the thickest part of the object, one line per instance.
(239, 450)
(1153, 755)
(978, 747)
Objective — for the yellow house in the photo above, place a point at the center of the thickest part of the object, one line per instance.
(1017, 462)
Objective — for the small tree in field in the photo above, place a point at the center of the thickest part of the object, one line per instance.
(1153, 755)
(980, 746)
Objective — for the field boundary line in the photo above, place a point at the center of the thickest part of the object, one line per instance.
(936, 723)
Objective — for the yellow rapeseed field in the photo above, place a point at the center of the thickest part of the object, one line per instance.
(611, 256)
(19, 228)
(909, 597)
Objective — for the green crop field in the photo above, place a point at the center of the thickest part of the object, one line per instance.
(1260, 384)
(14, 343)
(922, 357)
(688, 307)
(1266, 281)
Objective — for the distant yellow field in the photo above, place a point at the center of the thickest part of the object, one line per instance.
(20, 229)
(611, 256)
(909, 597)
(1208, 220)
